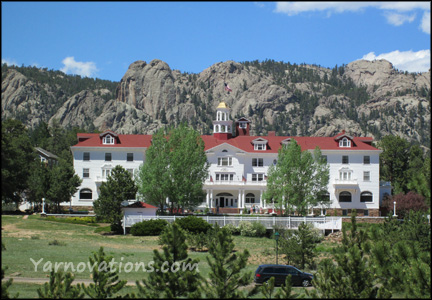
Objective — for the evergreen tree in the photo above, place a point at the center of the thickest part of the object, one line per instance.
(106, 280)
(351, 275)
(226, 276)
(173, 274)
(119, 187)
(17, 155)
(60, 287)
(298, 245)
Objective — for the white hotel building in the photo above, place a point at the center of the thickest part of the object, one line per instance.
(239, 165)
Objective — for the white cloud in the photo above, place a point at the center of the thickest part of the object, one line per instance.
(425, 25)
(395, 12)
(398, 19)
(406, 60)
(86, 69)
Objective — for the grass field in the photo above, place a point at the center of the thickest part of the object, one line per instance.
(34, 245)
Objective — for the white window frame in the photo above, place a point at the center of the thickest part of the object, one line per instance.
(243, 125)
(366, 176)
(86, 173)
(257, 162)
(345, 143)
(225, 161)
(256, 177)
(260, 147)
(108, 140)
(224, 177)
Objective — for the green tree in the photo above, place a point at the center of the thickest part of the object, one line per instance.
(173, 274)
(38, 182)
(226, 268)
(64, 183)
(394, 161)
(298, 179)
(298, 245)
(176, 167)
(350, 275)
(106, 280)
(60, 287)
(17, 155)
(119, 187)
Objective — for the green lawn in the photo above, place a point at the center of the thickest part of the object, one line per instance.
(29, 253)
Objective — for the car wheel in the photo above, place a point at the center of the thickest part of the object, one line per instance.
(305, 283)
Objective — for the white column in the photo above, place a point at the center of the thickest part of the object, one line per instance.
(243, 198)
(261, 199)
(211, 199)
(207, 198)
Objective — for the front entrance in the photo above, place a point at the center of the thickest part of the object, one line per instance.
(225, 200)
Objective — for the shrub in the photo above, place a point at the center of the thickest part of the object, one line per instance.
(232, 229)
(254, 229)
(193, 224)
(148, 227)
(197, 241)
(56, 243)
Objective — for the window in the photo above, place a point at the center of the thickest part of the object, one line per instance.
(250, 198)
(365, 212)
(106, 173)
(257, 162)
(257, 177)
(108, 139)
(259, 147)
(224, 177)
(344, 212)
(344, 143)
(107, 156)
(345, 174)
(366, 159)
(224, 161)
(86, 156)
(86, 194)
(86, 173)
(366, 176)
(345, 159)
(324, 158)
(345, 197)
(366, 197)
(129, 157)
(243, 125)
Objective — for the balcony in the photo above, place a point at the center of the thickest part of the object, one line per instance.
(236, 183)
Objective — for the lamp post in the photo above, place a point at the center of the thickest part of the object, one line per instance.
(394, 209)
(43, 207)
(276, 238)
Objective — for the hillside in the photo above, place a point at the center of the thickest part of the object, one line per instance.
(364, 98)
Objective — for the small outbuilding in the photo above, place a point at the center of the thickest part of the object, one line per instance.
(137, 211)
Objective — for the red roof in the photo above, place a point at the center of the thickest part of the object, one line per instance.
(141, 204)
(125, 140)
(241, 142)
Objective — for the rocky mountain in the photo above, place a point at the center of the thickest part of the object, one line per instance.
(363, 97)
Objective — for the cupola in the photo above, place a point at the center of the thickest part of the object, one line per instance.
(222, 126)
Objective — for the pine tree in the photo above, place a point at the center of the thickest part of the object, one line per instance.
(106, 280)
(60, 287)
(226, 276)
(351, 275)
(173, 274)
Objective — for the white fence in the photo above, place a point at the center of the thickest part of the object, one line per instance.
(322, 223)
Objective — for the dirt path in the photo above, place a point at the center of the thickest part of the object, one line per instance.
(43, 280)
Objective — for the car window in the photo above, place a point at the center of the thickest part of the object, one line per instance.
(268, 270)
(292, 271)
(281, 271)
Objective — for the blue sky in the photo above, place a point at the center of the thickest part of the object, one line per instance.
(101, 39)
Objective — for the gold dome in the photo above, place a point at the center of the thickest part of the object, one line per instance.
(222, 105)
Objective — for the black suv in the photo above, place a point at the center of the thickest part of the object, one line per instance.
(280, 272)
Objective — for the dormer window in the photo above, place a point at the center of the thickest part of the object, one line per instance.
(260, 144)
(108, 139)
(345, 142)
(286, 141)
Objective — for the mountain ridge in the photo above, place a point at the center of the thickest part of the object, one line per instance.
(365, 98)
